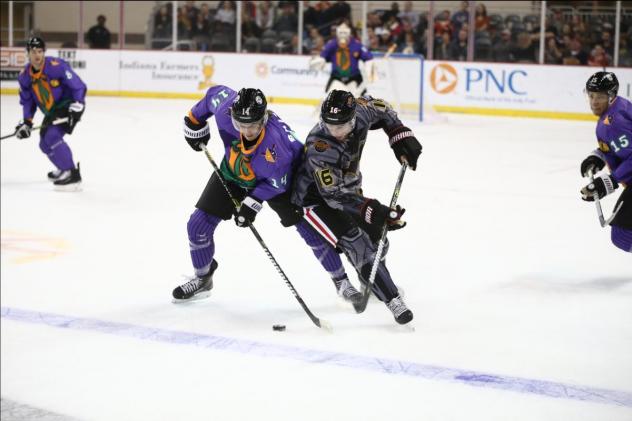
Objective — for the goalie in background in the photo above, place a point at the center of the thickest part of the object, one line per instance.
(345, 53)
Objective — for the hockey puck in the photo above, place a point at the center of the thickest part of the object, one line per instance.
(278, 328)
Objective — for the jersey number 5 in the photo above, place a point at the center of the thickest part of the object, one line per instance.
(325, 177)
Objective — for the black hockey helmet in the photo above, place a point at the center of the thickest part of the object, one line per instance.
(250, 106)
(338, 107)
(605, 82)
(35, 42)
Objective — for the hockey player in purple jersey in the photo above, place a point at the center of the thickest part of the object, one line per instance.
(261, 155)
(51, 84)
(614, 137)
(345, 53)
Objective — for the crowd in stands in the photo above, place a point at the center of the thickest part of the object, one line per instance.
(271, 27)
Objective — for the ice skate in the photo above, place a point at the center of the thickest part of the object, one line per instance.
(347, 291)
(401, 313)
(69, 180)
(197, 288)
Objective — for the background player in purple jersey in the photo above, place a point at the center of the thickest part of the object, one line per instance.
(261, 155)
(51, 84)
(614, 136)
(345, 53)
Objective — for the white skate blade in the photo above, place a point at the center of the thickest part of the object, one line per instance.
(196, 297)
(74, 187)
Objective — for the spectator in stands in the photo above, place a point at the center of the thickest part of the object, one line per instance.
(265, 15)
(442, 24)
(393, 12)
(163, 23)
(524, 51)
(287, 21)
(575, 54)
(408, 46)
(249, 28)
(338, 12)
(408, 15)
(185, 27)
(442, 47)
(599, 57)
(225, 15)
(606, 42)
(314, 43)
(502, 49)
(311, 16)
(202, 26)
(99, 36)
(481, 20)
(458, 47)
(552, 53)
(461, 16)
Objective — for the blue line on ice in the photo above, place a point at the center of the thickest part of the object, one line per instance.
(471, 378)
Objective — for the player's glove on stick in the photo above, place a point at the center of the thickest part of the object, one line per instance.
(404, 143)
(75, 110)
(376, 214)
(23, 129)
(600, 187)
(248, 211)
(196, 134)
(591, 165)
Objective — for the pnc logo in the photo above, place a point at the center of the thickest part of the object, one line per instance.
(443, 78)
(261, 70)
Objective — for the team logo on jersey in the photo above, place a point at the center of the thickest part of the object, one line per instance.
(356, 54)
(54, 63)
(270, 154)
(321, 145)
(54, 83)
(603, 146)
(608, 120)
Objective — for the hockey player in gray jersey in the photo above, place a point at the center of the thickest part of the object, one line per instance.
(328, 185)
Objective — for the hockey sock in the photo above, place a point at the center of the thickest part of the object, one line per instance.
(323, 251)
(622, 238)
(53, 145)
(200, 228)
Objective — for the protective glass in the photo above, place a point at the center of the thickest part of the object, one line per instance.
(340, 131)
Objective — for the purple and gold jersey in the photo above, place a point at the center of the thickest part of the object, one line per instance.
(266, 169)
(344, 61)
(614, 135)
(54, 85)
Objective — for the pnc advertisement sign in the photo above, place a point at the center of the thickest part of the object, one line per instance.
(445, 78)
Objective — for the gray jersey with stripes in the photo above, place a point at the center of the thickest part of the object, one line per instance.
(330, 172)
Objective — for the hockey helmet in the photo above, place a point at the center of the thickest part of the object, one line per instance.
(338, 113)
(249, 112)
(605, 82)
(35, 42)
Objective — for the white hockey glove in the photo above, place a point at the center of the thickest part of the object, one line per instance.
(317, 63)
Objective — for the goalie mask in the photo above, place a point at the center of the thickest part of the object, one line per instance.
(343, 34)
(338, 113)
(249, 112)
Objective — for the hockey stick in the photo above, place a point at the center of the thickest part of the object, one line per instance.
(318, 322)
(603, 221)
(361, 306)
(54, 123)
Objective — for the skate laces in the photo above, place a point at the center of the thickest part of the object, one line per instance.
(397, 306)
(345, 288)
(191, 286)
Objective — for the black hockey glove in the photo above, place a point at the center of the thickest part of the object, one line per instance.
(592, 164)
(75, 110)
(248, 211)
(404, 143)
(23, 129)
(600, 187)
(376, 214)
(196, 134)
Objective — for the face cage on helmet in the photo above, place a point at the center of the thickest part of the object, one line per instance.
(340, 131)
(249, 127)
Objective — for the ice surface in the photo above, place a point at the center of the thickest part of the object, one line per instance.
(523, 307)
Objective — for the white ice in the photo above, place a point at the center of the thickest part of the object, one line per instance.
(507, 271)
